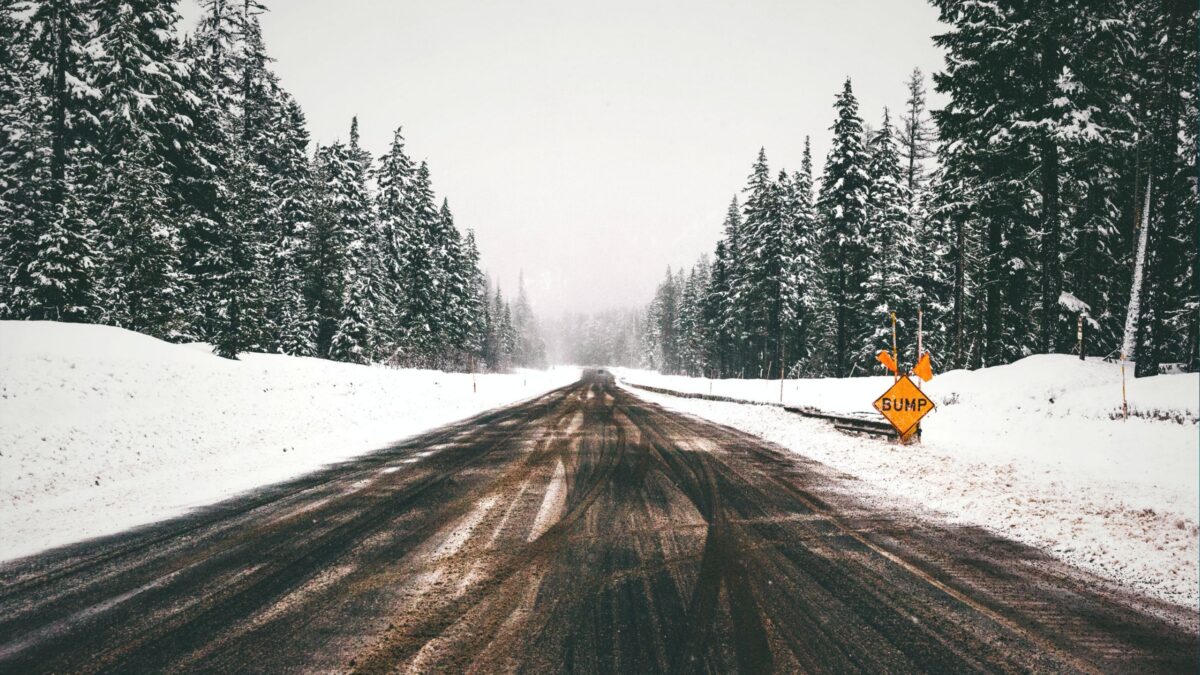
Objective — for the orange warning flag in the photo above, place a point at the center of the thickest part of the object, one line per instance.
(886, 359)
(924, 367)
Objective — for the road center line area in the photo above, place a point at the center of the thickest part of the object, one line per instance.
(584, 531)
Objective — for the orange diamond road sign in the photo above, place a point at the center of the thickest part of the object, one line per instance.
(904, 405)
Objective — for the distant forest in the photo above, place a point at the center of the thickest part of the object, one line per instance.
(1058, 184)
(167, 184)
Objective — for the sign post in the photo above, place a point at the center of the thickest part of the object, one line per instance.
(895, 352)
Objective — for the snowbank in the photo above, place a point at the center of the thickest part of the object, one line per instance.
(102, 429)
(1036, 450)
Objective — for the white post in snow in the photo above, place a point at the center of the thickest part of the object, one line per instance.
(920, 333)
(1124, 399)
(1135, 291)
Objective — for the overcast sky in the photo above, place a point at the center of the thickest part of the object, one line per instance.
(593, 144)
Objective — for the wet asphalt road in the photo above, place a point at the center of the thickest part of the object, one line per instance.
(584, 531)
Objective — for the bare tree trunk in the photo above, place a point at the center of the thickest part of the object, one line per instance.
(1135, 291)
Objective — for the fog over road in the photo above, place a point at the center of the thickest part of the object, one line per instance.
(583, 531)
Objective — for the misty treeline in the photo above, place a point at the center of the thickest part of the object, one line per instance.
(166, 184)
(612, 337)
(1004, 216)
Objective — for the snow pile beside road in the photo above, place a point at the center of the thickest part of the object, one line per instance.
(102, 429)
(1035, 450)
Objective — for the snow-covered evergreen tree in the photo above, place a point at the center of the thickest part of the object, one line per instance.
(893, 250)
(456, 300)
(530, 347)
(330, 242)
(842, 205)
(721, 315)
(137, 72)
(143, 288)
(352, 337)
(916, 147)
(23, 174)
(52, 239)
(801, 214)
(291, 328)
(475, 312)
(763, 246)
(424, 282)
(61, 272)
(394, 177)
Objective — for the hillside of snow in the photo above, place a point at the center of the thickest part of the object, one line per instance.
(102, 429)
(1036, 450)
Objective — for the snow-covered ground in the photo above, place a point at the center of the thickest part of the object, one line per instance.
(1035, 450)
(103, 429)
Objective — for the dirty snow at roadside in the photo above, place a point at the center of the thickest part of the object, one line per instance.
(102, 429)
(1035, 450)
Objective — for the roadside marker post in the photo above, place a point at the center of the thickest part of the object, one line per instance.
(895, 352)
(1124, 398)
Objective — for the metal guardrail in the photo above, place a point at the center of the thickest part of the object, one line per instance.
(850, 424)
(706, 397)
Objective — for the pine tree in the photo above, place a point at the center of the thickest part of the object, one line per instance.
(661, 340)
(495, 343)
(760, 272)
(373, 253)
(720, 314)
(357, 152)
(291, 325)
(801, 213)
(916, 148)
(199, 154)
(60, 33)
(771, 255)
(221, 231)
(456, 300)
(689, 321)
(892, 248)
(394, 178)
(503, 336)
(144, 291)
(842, 206)
(13, 74)
(475, 312)
(61, 271)
(530, 349)
(330, 245)
(352, 209)
(15, 79)
(420, 319)
(52, 240)
(22, 173)
(352, 338)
